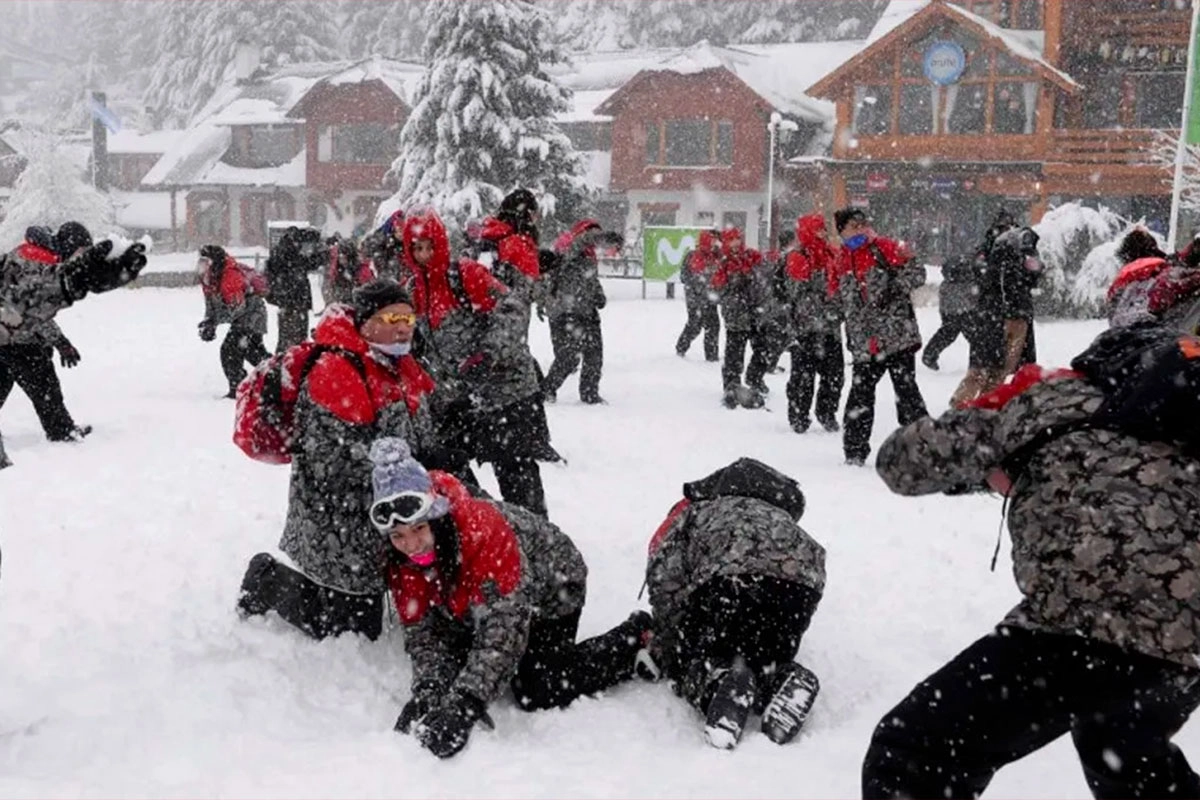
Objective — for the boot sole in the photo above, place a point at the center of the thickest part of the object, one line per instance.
(730, 708)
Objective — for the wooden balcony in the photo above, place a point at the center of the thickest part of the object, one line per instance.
(1125, 146)
(1149, 28)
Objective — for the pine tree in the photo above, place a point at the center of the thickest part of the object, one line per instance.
(199, 40)
(394, 30)
(483, 117)
(51, 191)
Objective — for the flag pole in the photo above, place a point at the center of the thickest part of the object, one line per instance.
(1181, 145)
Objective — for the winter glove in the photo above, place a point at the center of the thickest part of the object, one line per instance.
(208, 330)
(93, 271)
(68, 354)
(444, 730)
(413, 710)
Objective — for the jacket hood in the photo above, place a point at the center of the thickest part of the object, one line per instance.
(729, 236)
(564, 241)
(336, 328)
(810, 231)
(425, 224)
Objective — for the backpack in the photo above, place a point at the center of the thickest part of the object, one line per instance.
(264, 422)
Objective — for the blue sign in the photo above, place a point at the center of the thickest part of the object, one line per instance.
(944, 62)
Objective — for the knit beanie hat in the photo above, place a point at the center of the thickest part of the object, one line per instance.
(71, 236)
(371, 297)
(403, 489)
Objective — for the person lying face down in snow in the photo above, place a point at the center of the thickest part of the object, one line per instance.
(489, 594)
(734, 582)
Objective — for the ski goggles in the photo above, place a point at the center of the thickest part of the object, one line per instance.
(397, 318)
(405, 508)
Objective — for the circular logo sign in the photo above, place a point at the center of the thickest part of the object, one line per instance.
(944, 62)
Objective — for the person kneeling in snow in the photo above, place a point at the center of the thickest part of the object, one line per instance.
(490, 593)
(734, 582)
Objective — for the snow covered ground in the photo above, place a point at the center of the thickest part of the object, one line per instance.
(124, 671)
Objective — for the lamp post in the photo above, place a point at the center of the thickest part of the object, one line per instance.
(776, 123)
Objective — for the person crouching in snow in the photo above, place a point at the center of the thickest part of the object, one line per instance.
(233, 293)
(361, 384)
(489, 593)
(734, 582)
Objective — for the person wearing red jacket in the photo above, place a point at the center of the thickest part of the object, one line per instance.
(233, 293)
(811, 269)
(876, 279)
(734, 283)
(490, 595)
(366, 384)
(696, 273)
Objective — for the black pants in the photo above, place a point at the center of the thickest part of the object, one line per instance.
(1015, 691)
(766, 344)
(735, 357)
(952, 326)
(702, 315)
(237, 349)
(520, 482)
(556, 669)
(757, 618)
(314, 609)
(813, 355)
(860, 405)
(293, 328)
(576, 338)
(31, 366)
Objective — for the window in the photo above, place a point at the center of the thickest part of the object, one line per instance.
(210, 219)
(872, 110)
(1013, 109)
(705, 219)
(734, 219)
(358, 143)
(916, 108)
(1158, 99)
(1029, 15)
(965, 109)
(272, 145)
(658, 216)
(690, 143)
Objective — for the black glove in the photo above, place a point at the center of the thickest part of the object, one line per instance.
(444, 730)
(208, 330)
(94, 272)
(413, 710)
(68, 354)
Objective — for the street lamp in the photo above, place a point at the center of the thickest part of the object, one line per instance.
(776, 123)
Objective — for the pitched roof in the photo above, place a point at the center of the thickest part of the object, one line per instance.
(904, 22)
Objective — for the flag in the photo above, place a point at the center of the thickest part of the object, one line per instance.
(104, 115)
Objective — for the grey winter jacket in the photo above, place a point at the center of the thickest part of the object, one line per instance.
(479, 653)
(30, 295)
(771, 299)
(572, 288)
(725, 536)
(880, 319)
(959, 293)
(1105, 528)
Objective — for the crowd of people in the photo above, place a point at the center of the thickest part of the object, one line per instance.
(423, 367)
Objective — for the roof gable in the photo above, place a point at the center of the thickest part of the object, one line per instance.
(1024, 46)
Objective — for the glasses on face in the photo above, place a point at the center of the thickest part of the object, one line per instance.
(397, 318)
(401, 509)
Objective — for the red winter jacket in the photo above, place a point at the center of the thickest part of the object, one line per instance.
(237, 282)
(517, 249)
(334, 383)
(433, 296)
(814, 254)
(861, 261)
(564, 241)
(489, 556)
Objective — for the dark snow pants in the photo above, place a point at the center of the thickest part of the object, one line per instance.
(767, 343)
(1015, 691)
(31, 366)
(237, 349)
(816, 355)
(702, 315)
(576, 338)
(314, 609)
(293, 328)
(860, 405)
(555, 669)
(735, 358)
(758, 618)
(520, 482)
(952, 326)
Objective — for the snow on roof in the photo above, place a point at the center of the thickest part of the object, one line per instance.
(608, 69)
(399, 76)
(1023, 44)
(896, 14)
(583, 106)
(289, 174)
(143, 210)
(200, 148)
(131, 141)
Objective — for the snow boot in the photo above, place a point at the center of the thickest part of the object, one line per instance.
(929, 360)
(748, 397)
(257, 594)
(796, 689)
(829, 424)
(730, 399)
(733, 697)
(800, 425)
(76, 434)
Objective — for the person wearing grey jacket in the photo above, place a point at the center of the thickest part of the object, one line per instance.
(958, 299)
(734, 582)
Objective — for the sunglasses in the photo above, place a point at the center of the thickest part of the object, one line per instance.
(391, 318)
(401, 509)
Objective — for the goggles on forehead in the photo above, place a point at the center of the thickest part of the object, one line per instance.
(400, 509)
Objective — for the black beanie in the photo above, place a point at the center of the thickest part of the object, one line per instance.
(843, 216)
(70, 237)
(370, 297)
(519, 203)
